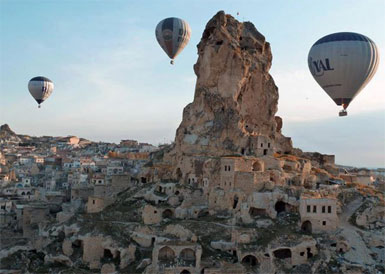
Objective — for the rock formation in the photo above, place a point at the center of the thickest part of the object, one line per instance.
(7, 135)
(235, 97)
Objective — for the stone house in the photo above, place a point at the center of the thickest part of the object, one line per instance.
(98, 179)
(34, 215)
(243, 173)
(165, 188)
(96, 204)
(262, 145)
(151, 215)
(318, 214)
(114, 170)
(81, 192)
(120, 183)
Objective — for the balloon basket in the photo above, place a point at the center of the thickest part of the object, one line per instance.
(343, 113)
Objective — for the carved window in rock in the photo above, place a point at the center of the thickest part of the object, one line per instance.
(329, 209)
(323, 209)
(314, 209)
(308, 209)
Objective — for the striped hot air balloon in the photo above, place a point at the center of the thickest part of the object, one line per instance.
(343, 64)
(173, 34)
(40, 88)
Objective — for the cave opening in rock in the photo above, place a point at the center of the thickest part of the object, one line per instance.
(107, 254)
(167, 214)
(280, 207)
(235, 202)
(306, 227)
(257, 166)
(249, 260)
(218, 43)
(309, 254)
(179, 174)
(257, 212)
(77, 244)
(283, 253)
(117, 258)
(235, 256)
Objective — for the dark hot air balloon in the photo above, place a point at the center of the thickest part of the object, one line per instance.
(173, 34)
(40, 88)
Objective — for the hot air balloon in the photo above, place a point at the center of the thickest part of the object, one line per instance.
(173, 34)
(343, 64)
(40, 88)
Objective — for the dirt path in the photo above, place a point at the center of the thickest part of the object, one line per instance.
(358, 252)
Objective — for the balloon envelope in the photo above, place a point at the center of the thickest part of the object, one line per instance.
(40, 88)
(173, 34)
(343, 63)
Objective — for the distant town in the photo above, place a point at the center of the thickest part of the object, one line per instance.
(50, 178)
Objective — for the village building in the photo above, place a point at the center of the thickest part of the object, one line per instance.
(318, 214)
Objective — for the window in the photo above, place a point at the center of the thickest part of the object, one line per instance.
(268, 145)
(314, 209)
(93, 201)
(225, 168)
(228, 168)
(308, 209)
(261, 144)
(323, 222)
(323, 209)
(329, 209)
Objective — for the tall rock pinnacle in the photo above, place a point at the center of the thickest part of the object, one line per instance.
(235, 97)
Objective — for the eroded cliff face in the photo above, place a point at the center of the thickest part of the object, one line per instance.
(235, 96)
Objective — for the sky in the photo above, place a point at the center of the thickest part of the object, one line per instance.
(113, 81)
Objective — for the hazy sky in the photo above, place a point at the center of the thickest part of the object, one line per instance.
(113, 81)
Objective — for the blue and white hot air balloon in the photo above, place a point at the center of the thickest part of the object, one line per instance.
(343, 63)
(173, 34)
(40, 88)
